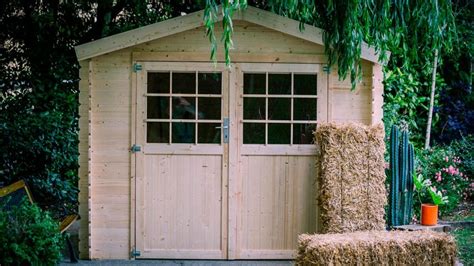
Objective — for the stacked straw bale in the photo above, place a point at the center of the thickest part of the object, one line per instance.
(377, 248)
(351, 180)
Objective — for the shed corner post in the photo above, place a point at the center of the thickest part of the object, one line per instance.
(85, 167)
(377, 94)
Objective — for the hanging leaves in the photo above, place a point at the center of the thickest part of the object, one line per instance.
(410, 28)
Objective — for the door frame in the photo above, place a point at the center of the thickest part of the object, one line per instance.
(232, 182)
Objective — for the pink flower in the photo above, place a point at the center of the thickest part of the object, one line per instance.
(452, 170)
(446, 159)
(438, 179)
(387, 165)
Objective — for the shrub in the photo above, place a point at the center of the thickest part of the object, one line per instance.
(39, 145)
(464, 149)
(29, 236)
(443, 168)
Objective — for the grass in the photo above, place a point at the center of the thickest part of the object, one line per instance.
(465, 237)
(465, 241)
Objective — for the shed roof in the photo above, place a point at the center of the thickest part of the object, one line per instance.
(195, 20)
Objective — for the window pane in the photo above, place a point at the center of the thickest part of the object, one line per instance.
(184, 83)
(254, 83)
(303, 133)
(209, 108)
(158, 107)
(304, 109)
(184, 108)
(254, 108)
(209, 83)
(279, 133)
(209, 133)
(183, 132)
(305, 84)
(157, 132)
(279, 109)
(158, 82)
(254, 133)
(279, 83)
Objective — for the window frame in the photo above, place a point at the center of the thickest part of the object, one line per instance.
(142, 119)
(321, 105)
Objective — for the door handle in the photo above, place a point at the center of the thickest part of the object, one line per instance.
(225, 131)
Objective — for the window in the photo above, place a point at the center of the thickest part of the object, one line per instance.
(184, 107)
(279, 108)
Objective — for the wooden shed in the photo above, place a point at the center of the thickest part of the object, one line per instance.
(184, 158)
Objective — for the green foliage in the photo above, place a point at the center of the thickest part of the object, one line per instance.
(410, 29)
(424, 186)
(401, 177)
(29, 236)
(402, 101)
(443, 171)
(406, 100)
(39, 87)
(38, 118)
(210, 17)
(463, 148)
(465, 242)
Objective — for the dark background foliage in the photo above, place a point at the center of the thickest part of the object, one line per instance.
(39, 81)
(39, 85)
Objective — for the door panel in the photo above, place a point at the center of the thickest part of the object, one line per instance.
(278, 203)
(181, 209)
(184, 204)
(279, 106)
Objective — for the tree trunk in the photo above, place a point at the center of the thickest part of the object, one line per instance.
(430, 112)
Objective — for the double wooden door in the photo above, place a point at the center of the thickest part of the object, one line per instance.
(226, 168)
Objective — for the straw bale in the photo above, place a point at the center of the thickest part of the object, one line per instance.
(424, 247)
(351, 177)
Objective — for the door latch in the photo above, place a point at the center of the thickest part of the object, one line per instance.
(225, 131)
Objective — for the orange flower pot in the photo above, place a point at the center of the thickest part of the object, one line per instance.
(429, 214)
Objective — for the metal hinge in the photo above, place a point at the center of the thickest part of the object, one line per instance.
(137, 67)
(135, 253)
(327, 69)
(135, 148)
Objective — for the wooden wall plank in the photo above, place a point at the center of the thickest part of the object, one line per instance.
(111, 123)
(247, 40)
(351, 105)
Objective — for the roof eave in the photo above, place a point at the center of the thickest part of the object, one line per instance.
(195, 20)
